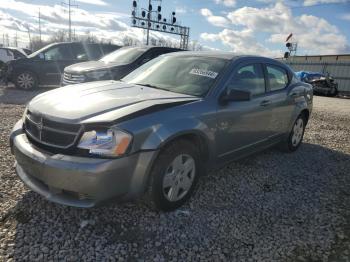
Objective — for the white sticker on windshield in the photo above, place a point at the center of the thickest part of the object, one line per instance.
(206, 73)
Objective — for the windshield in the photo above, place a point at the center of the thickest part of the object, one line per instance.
(180, 74)
(123, 55)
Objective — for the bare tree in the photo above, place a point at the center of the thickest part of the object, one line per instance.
(195, 46)
(128, 41)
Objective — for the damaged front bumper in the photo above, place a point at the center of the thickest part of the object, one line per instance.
(79, 181)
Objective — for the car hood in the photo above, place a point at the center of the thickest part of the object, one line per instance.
(91, 66)
(103, 101)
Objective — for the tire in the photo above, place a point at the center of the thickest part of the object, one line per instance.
(26, 80)
(295, 137)
(174, 176)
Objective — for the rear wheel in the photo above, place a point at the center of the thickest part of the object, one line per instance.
(295, 136)
(26, 80)
(174, 176)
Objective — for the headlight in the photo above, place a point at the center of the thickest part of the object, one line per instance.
(111, 142)
(97, 74)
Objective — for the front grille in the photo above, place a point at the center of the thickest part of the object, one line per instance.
(69, 78)
(51, 133)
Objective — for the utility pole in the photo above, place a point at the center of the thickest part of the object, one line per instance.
(149, 20)
(16, 40)
(69, 5)
(30, 39)
(39, 21)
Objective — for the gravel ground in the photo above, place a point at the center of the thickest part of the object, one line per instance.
(268, 207)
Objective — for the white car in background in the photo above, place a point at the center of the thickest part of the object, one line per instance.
(8, 54)
(11, 53)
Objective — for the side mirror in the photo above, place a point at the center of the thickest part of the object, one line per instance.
(236, 95)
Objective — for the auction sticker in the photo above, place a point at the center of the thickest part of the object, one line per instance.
(206, 73)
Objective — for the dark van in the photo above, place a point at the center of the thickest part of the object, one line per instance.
(45, 66)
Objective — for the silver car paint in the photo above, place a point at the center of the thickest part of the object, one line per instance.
(228, 131)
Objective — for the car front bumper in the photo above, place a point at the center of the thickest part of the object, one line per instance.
(79, 181)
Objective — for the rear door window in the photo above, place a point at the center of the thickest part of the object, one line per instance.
(249, 78)
(277, 77)
(94, 51)
(79, 52)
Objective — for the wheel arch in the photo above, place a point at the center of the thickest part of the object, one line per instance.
(22, 70)
(193, 136)
(306, 113)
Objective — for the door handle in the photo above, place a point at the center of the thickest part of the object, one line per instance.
(265, 103)
(293, 95)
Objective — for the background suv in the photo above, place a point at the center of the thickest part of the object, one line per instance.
(45, 66)
(113, 66)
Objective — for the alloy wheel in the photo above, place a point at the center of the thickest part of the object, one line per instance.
(179, 177)
(26, 81)
(298, 130)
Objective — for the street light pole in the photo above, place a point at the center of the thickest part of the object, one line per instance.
(149, 21)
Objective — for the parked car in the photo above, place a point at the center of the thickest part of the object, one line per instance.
(321, 83)
(115, 65)
(11, 53)
(45, 66)
(158, 129)
(7, 54)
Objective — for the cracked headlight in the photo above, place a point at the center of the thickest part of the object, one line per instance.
(97, 74)
(110, 143)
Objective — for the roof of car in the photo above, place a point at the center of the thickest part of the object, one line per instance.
(144, 47)
(223, 55)
(216, 54)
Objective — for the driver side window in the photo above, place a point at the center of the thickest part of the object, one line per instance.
(249, 78)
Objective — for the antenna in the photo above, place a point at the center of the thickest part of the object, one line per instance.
(69, 5)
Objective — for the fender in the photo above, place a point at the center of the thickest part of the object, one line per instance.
(162, 135)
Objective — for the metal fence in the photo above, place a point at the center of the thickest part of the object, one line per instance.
(340, 71)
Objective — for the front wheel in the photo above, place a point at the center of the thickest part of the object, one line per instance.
(174, 176)
(295, 136)
(333, 92)
(26, 80)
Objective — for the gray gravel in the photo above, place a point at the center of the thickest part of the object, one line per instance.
(268, 207)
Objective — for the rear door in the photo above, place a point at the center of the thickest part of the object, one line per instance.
(281, 102)
(242, 125)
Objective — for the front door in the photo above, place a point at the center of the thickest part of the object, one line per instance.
(55, 60)
(244, 125)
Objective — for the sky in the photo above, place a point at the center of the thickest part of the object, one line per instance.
(244, 27)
